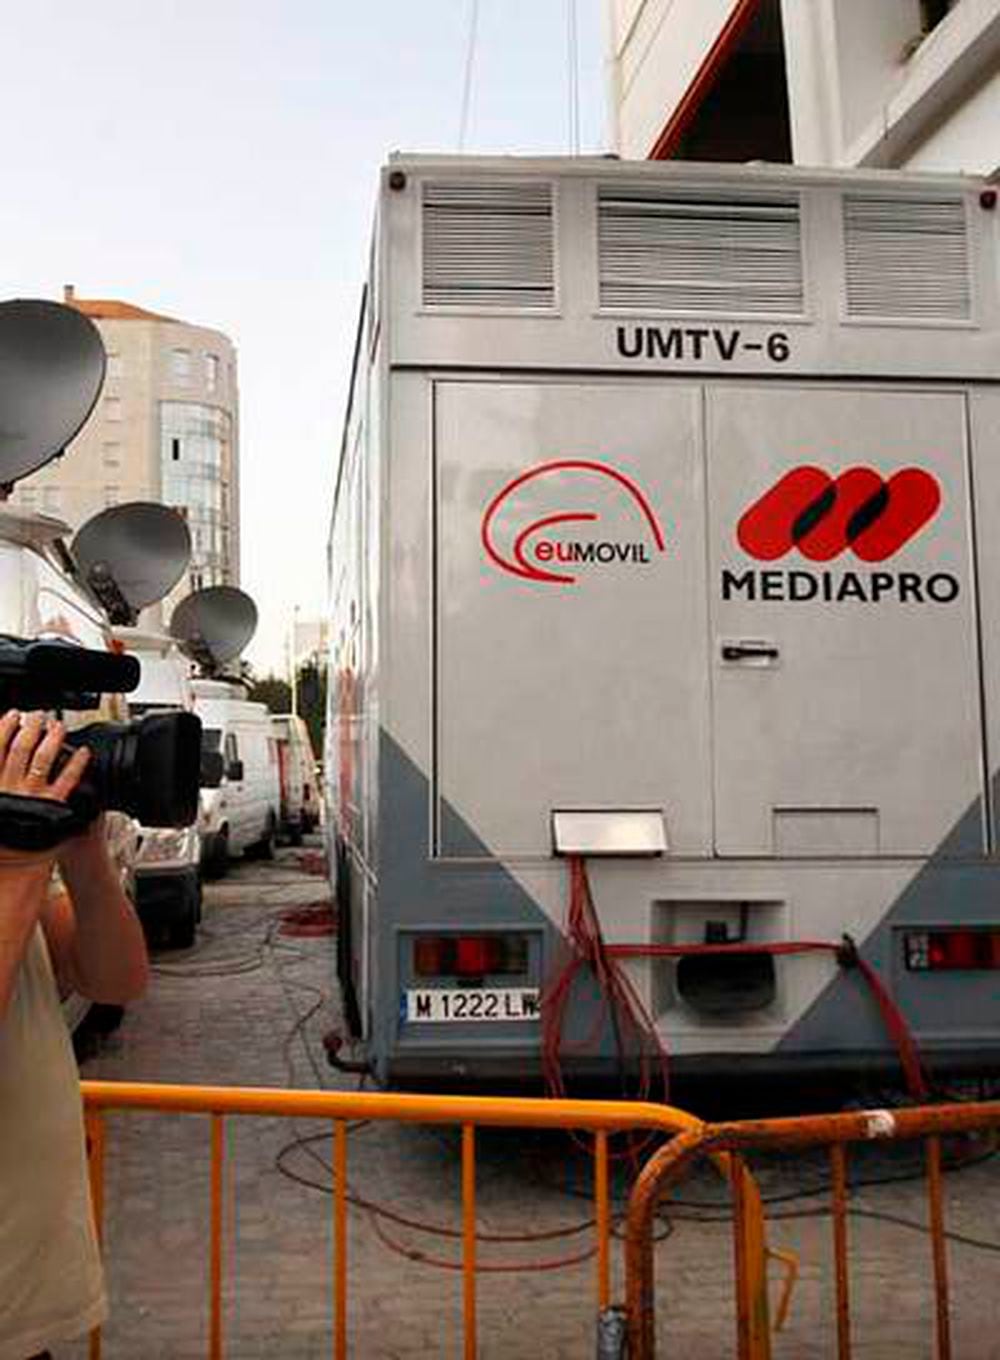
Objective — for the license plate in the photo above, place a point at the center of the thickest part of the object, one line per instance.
(478, 1003)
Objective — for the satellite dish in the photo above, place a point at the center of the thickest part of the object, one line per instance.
(51, 372)
(132, 555)
(214, 625)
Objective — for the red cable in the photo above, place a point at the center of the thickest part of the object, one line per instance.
(588, 949)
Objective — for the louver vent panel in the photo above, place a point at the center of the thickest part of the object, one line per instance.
(907, 258)
(488, 245)
(704, 253)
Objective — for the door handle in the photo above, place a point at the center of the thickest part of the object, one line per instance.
(749, 651)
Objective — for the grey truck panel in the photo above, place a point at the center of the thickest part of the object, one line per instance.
(845, 667)
(576, 683)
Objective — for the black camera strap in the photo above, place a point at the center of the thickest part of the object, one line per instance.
(36, 823)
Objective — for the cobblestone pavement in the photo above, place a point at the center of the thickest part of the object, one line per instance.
(249, 1005)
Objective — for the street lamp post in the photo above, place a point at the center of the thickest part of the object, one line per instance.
(295, 661)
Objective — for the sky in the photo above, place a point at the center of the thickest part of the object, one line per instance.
(217, 160)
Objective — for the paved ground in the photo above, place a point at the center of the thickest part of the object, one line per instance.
(248, 1006)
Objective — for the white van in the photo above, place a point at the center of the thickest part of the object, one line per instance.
(37, 600)
(242, 813)
(168, 868)
(297, 776)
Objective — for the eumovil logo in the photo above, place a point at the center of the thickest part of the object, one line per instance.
(554, 547)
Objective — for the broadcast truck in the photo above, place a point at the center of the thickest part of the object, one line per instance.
(664, 575)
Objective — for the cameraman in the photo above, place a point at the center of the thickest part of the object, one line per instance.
(84, 937)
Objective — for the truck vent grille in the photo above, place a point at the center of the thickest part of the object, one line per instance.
(699, 252)
(488, 245)
(907, 258)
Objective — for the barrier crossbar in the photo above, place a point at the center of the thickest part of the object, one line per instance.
(602, 1118)
(671, 1161)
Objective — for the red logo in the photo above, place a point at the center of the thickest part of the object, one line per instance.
(526, 550)
(823, 516)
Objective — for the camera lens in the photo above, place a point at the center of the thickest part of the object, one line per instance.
(148, 768)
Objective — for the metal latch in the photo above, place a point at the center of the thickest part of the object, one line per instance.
(750, 651)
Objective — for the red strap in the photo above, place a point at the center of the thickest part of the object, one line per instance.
(587, 946)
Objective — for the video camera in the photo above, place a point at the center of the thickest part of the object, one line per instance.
(148, 768)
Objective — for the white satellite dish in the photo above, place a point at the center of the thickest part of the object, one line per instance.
(131, 555)
(214, 625)
(51, 372)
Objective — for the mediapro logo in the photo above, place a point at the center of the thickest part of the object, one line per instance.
(823, 516)
(531, 546)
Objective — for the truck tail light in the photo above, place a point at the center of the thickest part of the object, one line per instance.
(469, 956)
(929, 951)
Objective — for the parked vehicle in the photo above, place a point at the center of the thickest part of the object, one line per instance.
(241, 815)
(297, 776)
(168, 867)
(665, 544)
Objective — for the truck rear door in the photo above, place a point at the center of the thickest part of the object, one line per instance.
(571, 627)
(845, 674)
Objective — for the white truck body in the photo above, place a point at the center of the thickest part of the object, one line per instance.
(297, 776)
(668, 491)
(242, 813)
(168, 866)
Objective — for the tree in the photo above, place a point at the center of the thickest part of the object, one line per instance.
(277, 694)
(312, 702)
(274, 692)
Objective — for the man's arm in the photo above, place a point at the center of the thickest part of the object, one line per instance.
(92, 931)
(24, 886)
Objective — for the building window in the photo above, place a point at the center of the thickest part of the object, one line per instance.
(114, 369)
(111, 495)
(180, 365)
(50, 500)
(28, 496)
(112, 408)
(112, 453)
(195, 456)
(211, 372)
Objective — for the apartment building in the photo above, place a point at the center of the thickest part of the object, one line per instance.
(166, 428)
(884, 83)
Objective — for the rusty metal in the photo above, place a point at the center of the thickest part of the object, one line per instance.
(660, 1172)
(838, 1177)
(94, 1125)
(731, 1139)
(469, 1240)
(753, 1328)
(935, 1204)
(602, 1216)
(340, 1240)
(600, 1117)
(215, 1247)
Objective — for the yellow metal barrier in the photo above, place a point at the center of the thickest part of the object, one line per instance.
(598, 1117)
(671, 1161)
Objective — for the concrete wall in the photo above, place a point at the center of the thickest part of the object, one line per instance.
(866, 84)
(657, 48)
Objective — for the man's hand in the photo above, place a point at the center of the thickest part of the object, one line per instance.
(28, 750)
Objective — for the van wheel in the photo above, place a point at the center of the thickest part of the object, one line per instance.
(264, 848)
(182, 934)
(218, 862)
